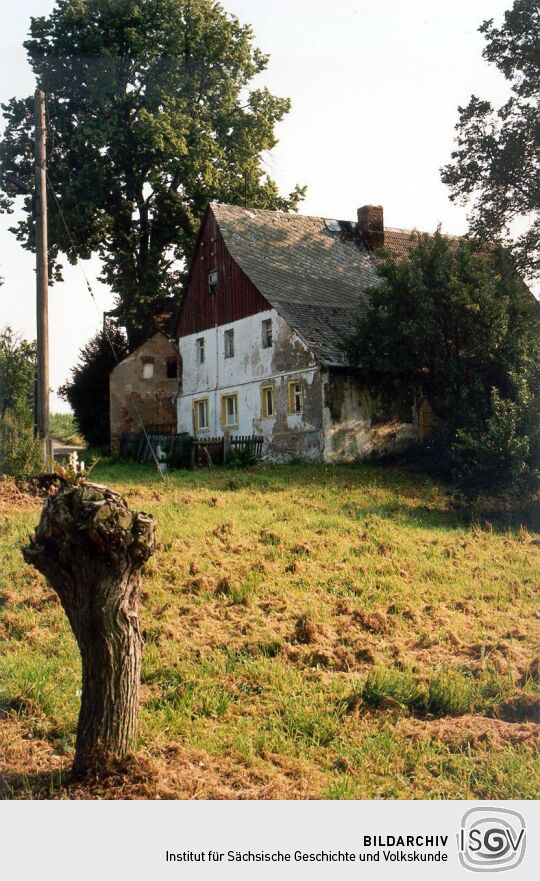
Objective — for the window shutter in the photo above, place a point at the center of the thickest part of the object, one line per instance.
(291, 397)
(223, 412)
(194, 411)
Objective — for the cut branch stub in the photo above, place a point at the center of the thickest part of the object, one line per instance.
(91, 548)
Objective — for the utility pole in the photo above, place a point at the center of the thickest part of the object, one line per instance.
(42, 275)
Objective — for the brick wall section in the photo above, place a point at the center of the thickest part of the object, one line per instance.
(132, 394)
(371, 225)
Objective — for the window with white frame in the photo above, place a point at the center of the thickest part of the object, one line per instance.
(267, 401)
(229, 411)
(201, 420)
(229, 343)
(267, 333)
(296, 397)
(200, 350)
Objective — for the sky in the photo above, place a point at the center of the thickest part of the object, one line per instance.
(375, 88)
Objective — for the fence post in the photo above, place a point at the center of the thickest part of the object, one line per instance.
(226, 444)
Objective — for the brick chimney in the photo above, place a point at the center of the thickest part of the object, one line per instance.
(371, 225)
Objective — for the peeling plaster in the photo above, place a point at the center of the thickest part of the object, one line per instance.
(339, 421)
(285, 435)
(351, 428)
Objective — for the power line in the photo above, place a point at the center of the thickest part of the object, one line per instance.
(105, 330)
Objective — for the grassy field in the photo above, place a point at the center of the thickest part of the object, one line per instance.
(310, 632)
(64, 428)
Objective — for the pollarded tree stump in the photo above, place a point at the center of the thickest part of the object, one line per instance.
(91, 548)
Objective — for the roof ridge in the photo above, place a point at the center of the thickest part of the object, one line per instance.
(293, 214)
(322, 218)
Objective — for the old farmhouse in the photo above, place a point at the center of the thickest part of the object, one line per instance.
(268, 302)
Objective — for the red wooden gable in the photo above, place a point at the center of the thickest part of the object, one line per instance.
(236, 296)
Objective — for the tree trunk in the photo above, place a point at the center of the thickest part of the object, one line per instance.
(91, 548)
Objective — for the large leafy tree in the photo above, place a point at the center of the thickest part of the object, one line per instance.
(496, 163)
(460, 329)
(150, 116)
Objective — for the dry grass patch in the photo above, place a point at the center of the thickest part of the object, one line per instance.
(310, 632)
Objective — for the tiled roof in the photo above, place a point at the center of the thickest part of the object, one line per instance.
(399, 241)
(313, 277)
(313, 271)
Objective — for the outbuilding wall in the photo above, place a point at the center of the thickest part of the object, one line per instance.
(134, 398)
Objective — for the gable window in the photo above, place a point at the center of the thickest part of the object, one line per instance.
(148, 368)
(212, 282)
(296, 397)
(200, 415)
(267, 401)
(172, 368)
(267, 334)
(229, 411)
(200, 350)
(229, 343)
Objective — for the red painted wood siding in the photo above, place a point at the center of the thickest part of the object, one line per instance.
(236, 296)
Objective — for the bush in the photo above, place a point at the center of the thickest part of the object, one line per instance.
(455, 322)
(503, 454)
(17, 374)
(239, 457)
(20, 454)
(87, 391)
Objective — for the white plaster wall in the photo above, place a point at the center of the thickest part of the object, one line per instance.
(250, 360)
(251, 367)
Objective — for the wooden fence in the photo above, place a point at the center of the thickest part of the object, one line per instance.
(251, 445)
(173, 448)
(243, 449)
(184, 451)
(208, 451)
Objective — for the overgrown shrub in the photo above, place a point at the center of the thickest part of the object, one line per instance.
(20, 454)
(503, 453)
(455, 323)
(17, 375)
(239, 457)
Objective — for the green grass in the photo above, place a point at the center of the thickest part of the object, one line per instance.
(309, 632)
(63, 427)
(449, 692)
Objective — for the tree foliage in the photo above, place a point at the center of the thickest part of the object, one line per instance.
(461, 329)
(496, 163)
(150, 117)
(20, 453)
(17, 375)
(502, 455)
(87, 390)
